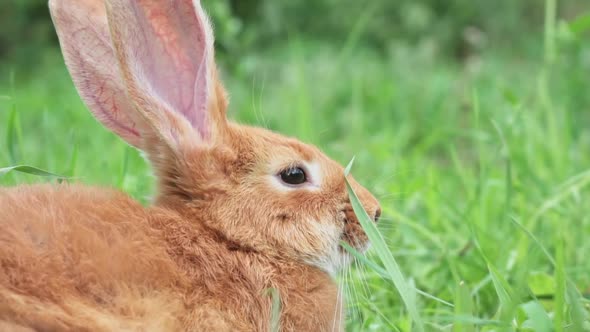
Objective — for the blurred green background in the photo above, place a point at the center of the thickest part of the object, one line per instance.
(470, 119)
(453, 28)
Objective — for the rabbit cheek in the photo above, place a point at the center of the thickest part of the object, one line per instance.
(322, 248)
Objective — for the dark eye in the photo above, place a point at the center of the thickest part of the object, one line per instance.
(294, 176)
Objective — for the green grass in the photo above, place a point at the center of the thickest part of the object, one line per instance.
(482, 168)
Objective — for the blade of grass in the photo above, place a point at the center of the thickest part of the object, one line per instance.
(560, 283)
(505, 294)
(463, 308)
(391, 266)
(13, 135)
(124, 167)
(29, 170)
(275, 313)
(349, 166)
(73, 160)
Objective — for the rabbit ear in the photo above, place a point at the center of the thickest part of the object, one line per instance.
(145, 68)
(89, 55)
(165, 51)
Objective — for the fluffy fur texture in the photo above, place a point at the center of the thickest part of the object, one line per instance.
(224, 228)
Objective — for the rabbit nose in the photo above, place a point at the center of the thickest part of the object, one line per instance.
(377, 215)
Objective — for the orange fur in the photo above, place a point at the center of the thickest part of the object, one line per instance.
(221, 232)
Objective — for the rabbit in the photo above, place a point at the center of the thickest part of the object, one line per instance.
(239, 211)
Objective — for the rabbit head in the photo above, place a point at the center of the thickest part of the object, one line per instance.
(146, 70)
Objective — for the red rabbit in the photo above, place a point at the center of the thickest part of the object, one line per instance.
(239, 210)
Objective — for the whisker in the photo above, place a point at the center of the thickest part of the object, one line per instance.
(387, 224)
(363, 294)
(382, 218)
(387, 177)
(393, 194)
(364, 282)
(354, 296)
(347, 293)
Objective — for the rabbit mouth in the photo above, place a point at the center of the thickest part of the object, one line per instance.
(359, 242)
(348, 231)
(353, 233)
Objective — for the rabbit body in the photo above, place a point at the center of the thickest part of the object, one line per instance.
(76, 258)
(238, 210)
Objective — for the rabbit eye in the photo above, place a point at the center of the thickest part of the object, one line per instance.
(293, 176)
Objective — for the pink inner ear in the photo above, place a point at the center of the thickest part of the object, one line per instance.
(106, 98)
(169, 51)
(86, 44)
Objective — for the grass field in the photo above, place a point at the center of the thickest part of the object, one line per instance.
(482, 168)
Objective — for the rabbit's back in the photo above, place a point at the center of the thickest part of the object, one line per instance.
(66, 250)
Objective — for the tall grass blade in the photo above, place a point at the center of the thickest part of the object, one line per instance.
(406, 291)
(349, 166)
